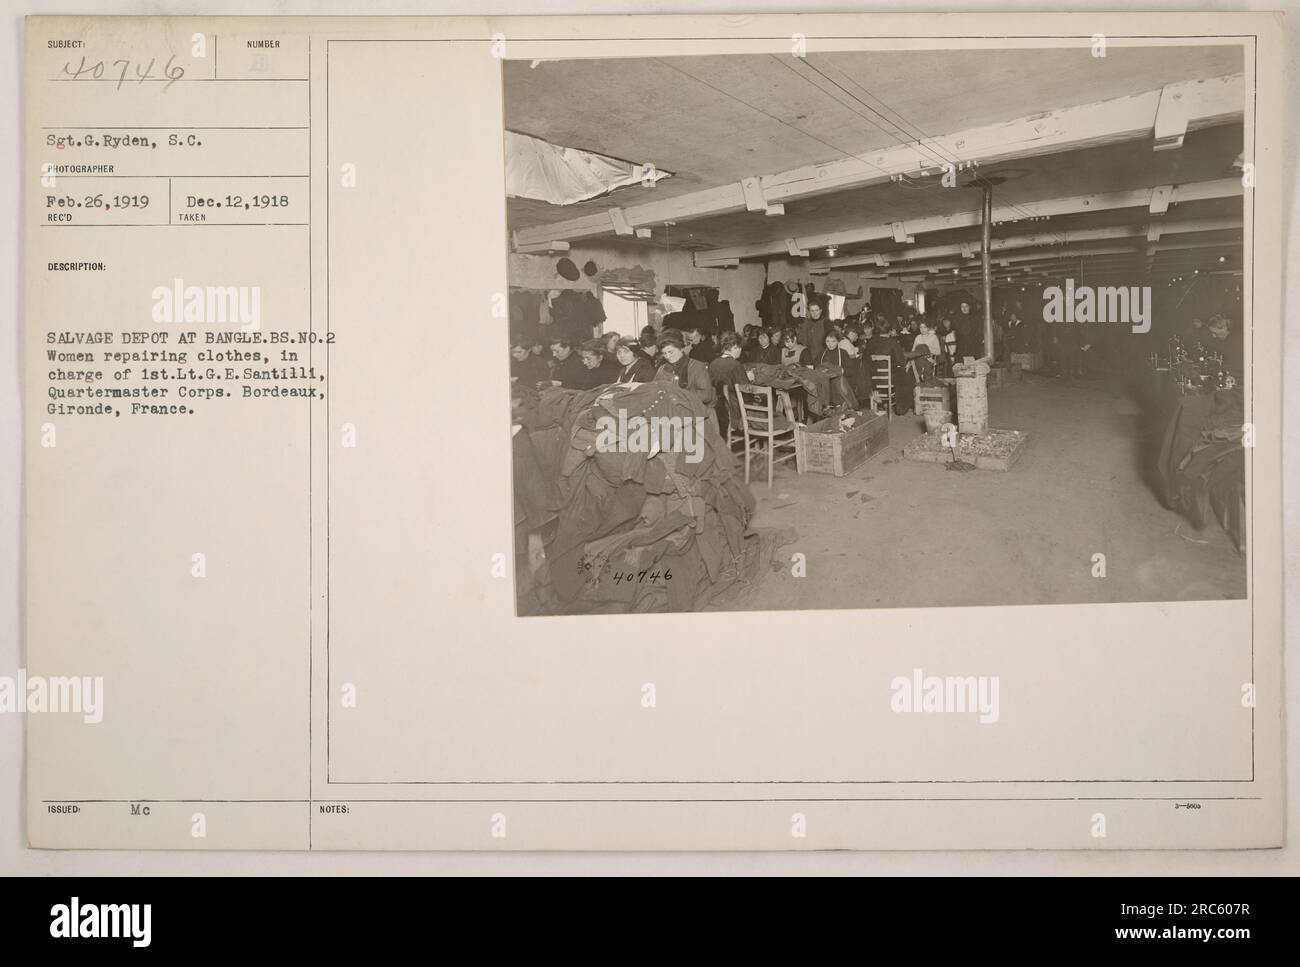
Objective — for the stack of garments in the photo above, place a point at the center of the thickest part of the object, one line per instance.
(825, 385)
(628, 520)
(1202, 462)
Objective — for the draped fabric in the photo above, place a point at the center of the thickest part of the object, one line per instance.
(1202, 464)
(561, 176)
(824, 386)
(637, 513)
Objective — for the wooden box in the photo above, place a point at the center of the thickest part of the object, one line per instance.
(1000, 374)
(820, 448)
(933, 394)
(1029, 362)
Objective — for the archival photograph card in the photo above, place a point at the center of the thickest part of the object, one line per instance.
(653, 433)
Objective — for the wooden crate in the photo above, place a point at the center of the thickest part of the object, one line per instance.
(821, 449)
(1000, 374)
(933, 394)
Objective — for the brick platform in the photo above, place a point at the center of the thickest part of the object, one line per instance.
(993, 450)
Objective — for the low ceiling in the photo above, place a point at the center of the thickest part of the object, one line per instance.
(715, 120)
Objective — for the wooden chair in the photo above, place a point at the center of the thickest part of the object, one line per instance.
(882, 381)
(761, 420)
(735, 428)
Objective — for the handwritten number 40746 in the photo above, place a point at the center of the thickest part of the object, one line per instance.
(123, 71)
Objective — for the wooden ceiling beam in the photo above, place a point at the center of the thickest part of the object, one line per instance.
(1208, 102)
(968, 249)
(1066, 205)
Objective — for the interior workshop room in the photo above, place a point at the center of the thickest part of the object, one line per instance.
(878, 329)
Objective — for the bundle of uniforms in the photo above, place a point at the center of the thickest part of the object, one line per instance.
(627, 520)
(1202, 462)
(825, 386)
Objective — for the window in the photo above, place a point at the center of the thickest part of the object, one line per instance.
(625, 310)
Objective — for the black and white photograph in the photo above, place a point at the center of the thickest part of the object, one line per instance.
(879, 329)
(455, 441)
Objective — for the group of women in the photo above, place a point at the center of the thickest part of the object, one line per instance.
(915, 350)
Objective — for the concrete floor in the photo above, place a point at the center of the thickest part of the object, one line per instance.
(878, 537)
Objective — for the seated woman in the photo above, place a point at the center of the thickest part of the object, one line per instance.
(566, 366)
(601, 370)
(648, 342)
(832, 355)
(727, 370)
(690, 374)
(843, 355)
(793, 352)
(902, 376)
(765, 351)
(634, 367)
(857, 373)
(948, 339)
(525, 368)
(748, 343)
(925, 353)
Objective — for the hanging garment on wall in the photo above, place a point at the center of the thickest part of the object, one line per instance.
(887, 301)
(713, 320)
(835, 307)
(696, 296)
(576, 314)
(525, 308)
(771, 305)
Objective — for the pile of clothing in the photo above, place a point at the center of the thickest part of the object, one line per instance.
(1202, 462)
(635, 531)
(825, 386)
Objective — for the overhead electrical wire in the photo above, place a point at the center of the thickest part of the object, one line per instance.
(955, 161)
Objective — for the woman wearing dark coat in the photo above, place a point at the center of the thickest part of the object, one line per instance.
(634, 366)
(832, 355)
(794, 352)
(689, 374)
(525, 368)
(766, 351)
